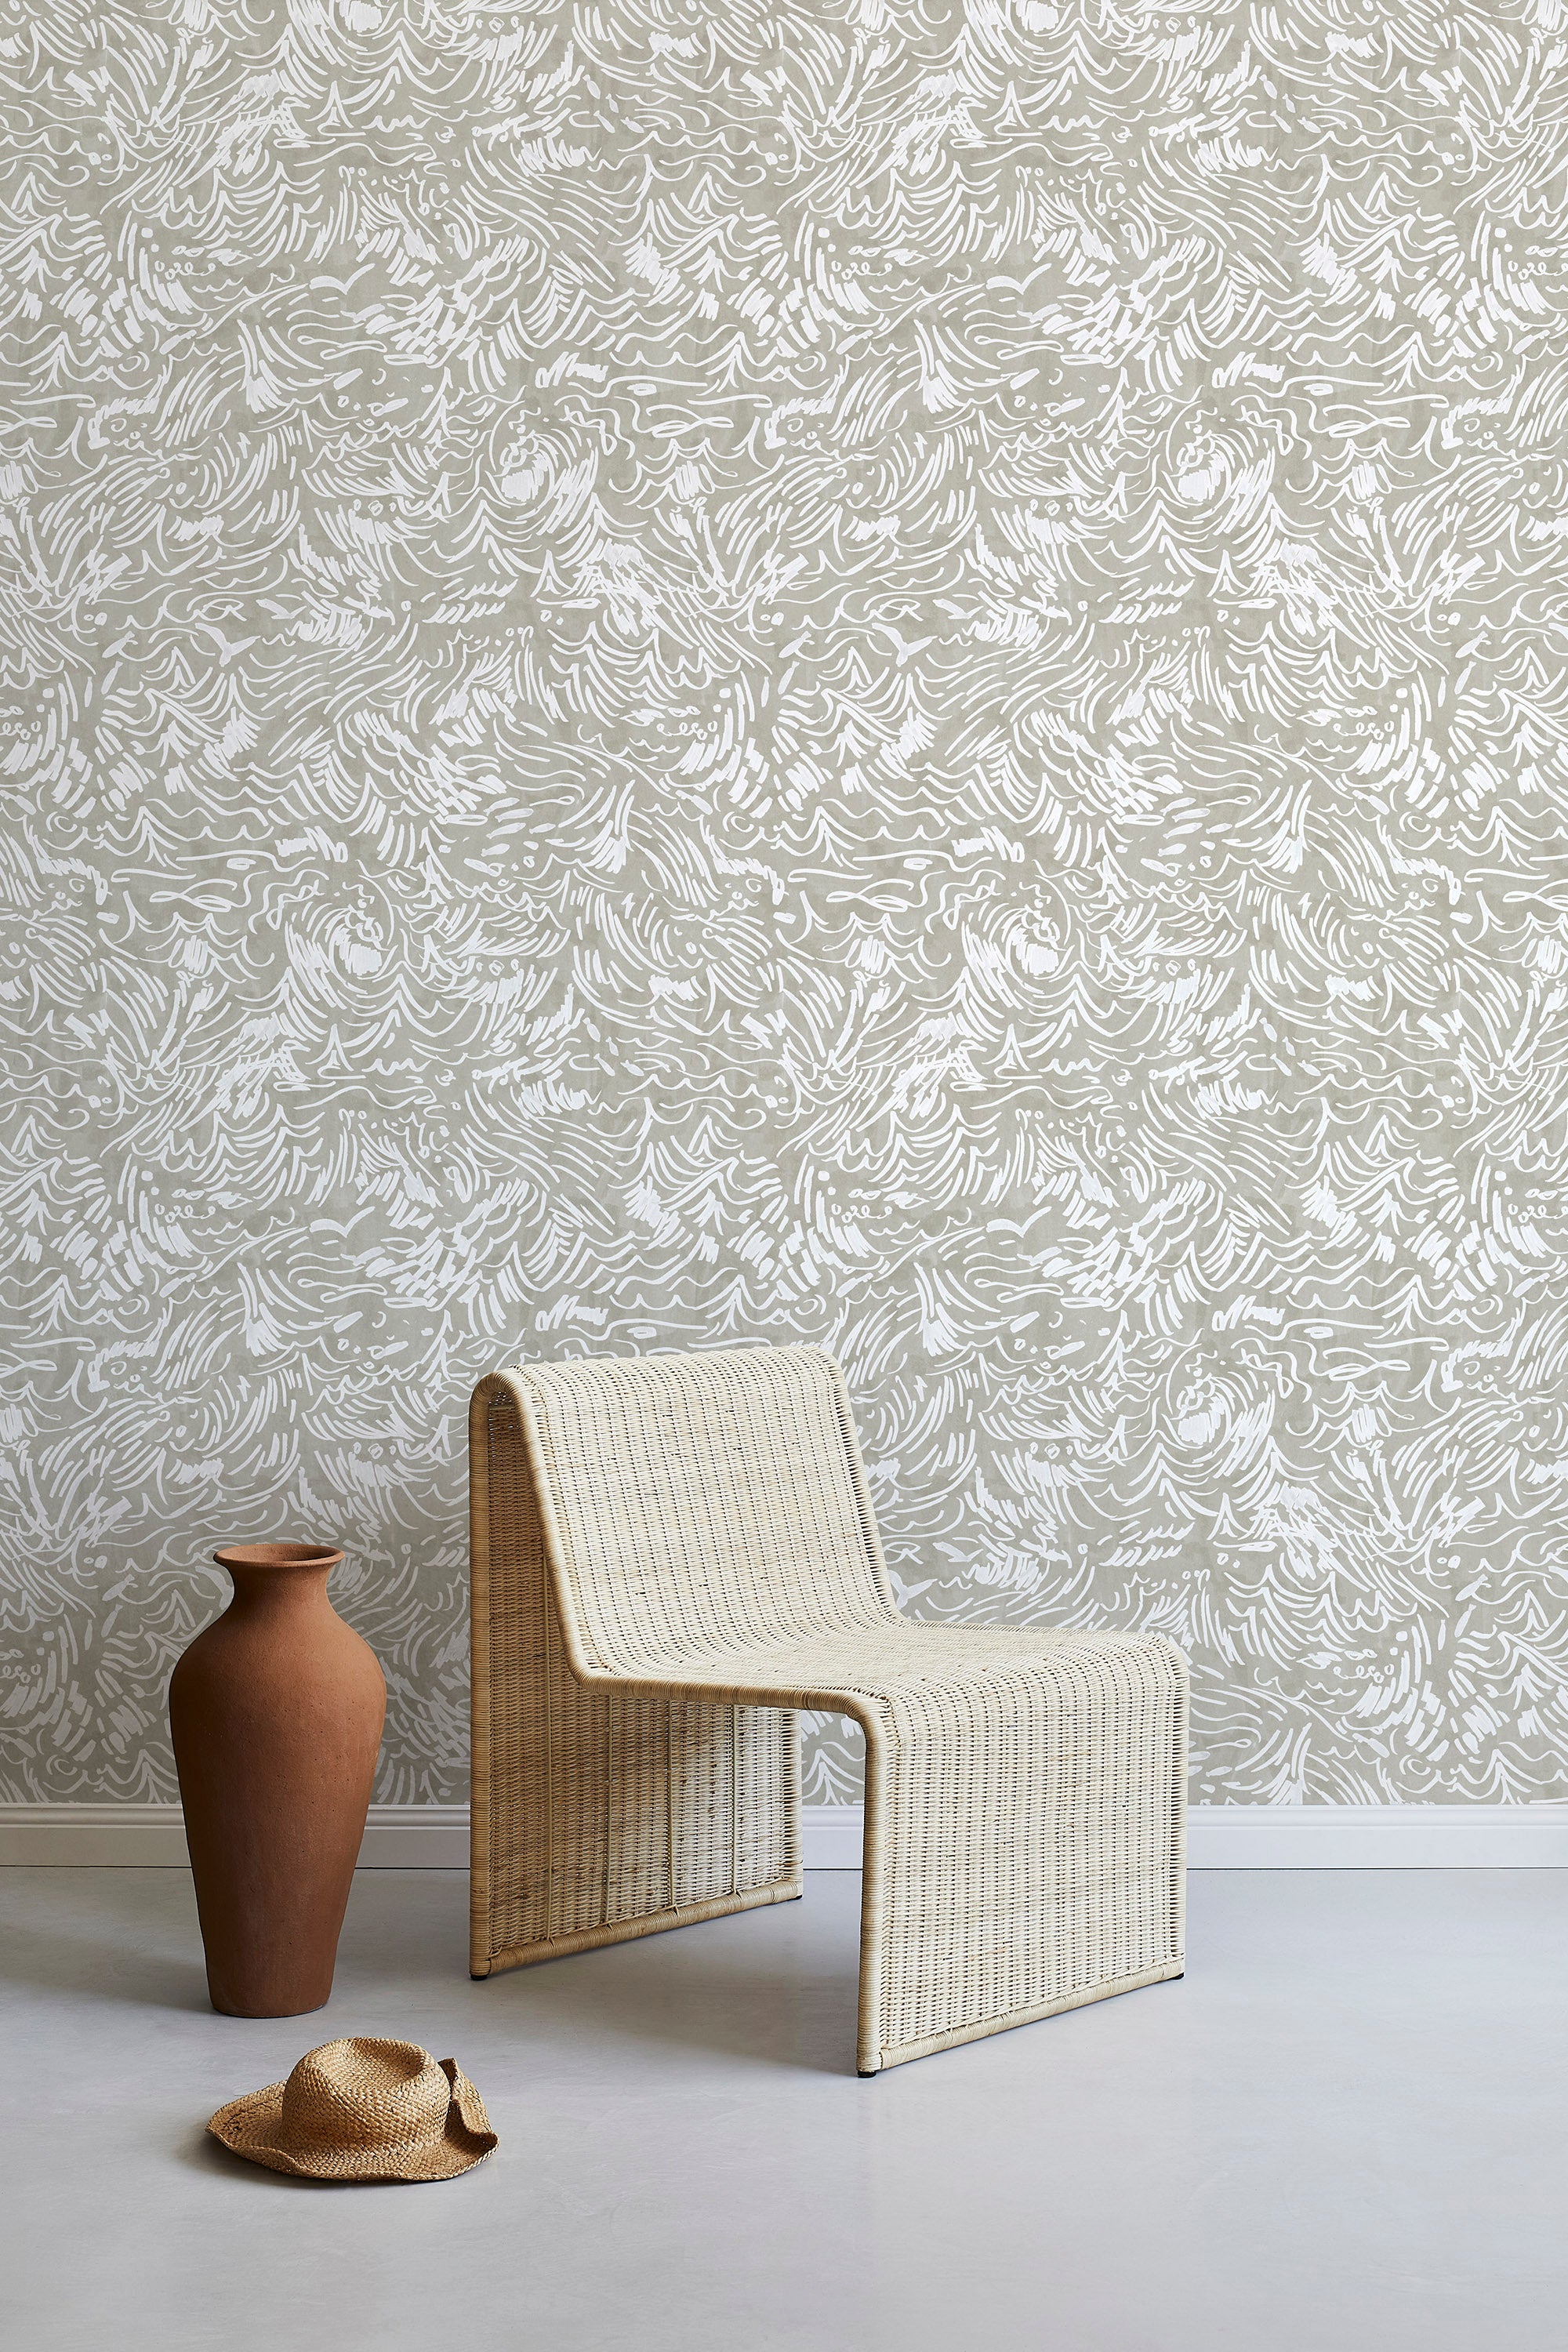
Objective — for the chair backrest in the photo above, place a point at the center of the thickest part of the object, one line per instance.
(703, 1504)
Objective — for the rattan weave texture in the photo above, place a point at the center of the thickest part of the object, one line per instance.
(673, 1553)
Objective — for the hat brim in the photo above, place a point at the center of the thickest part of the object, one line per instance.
(249, 2128)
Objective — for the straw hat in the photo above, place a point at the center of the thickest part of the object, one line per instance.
(362, 2110)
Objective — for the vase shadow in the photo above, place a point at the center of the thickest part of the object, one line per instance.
(102, 1968)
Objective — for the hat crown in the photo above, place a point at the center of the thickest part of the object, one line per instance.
(363, 2093)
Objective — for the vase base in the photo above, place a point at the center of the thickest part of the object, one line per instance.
(279, 2006)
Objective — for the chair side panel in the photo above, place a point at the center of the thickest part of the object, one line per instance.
(1034, 1830)
(511, 1652)
(597, 1811)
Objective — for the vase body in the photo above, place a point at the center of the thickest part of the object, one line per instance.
(276, 1712)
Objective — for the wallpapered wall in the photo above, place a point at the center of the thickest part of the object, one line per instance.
(679, 673)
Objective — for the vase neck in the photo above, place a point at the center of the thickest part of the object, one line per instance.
(271, 1577)
(270, 1589)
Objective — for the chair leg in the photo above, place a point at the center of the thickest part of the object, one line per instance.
(1024, 1845)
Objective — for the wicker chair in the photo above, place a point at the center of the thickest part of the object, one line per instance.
(670, 1554)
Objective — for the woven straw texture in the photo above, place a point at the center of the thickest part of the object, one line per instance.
(363, 2109)
(671, 1554)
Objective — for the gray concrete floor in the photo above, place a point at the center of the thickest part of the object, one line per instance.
(1345, 2128)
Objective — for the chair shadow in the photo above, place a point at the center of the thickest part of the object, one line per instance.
(797, 2014)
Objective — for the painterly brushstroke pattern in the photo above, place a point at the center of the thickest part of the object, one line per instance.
(679, 672)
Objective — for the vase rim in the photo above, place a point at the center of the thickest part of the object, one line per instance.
(276, 1555)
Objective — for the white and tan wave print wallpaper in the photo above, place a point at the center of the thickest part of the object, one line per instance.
(679, 674)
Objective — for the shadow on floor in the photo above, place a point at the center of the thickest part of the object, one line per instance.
(102, 1968)
(735, 1987)
(727, 2000)
(199, 2152)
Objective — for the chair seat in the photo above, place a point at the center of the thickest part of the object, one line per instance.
(892, 1662)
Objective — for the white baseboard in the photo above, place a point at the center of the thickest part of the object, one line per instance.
(832, 1836)
(1378, 1837)
(1219, 1837)
(152, 1837)
(1310, 1837)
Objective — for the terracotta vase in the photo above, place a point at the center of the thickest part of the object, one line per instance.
(276, 1712)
